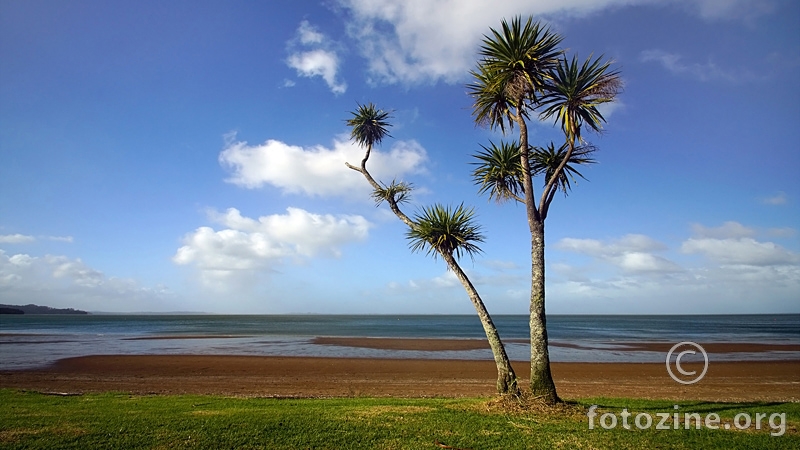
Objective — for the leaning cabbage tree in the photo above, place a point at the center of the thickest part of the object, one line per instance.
(440, 231)
(523, 75)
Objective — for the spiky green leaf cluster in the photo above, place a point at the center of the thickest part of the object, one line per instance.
(575, 92)
(499, 171)
(369, 125)
(445, 230)
(522, 68)
(397, 192)
(514, 69)
(545, 160)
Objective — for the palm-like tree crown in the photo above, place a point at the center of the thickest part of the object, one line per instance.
(516, 62)
(574, 93)
(444, 230)
(369, 125)
(547, 160)
(499, 171)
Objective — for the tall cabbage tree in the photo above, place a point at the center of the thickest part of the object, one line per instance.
(522, 74)
(440, 231)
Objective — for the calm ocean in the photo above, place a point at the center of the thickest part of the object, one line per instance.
(35, 340)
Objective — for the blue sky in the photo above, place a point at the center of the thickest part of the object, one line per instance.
(189, 156)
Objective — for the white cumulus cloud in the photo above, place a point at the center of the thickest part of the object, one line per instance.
(317, 171)
(318, 63)
(632, 253)
(740, 251)
(64, 282)
(736, 269)
(308, 34)
(25, 239)
(68, 239)
(75, 270)
(246, 246)
(16, 239)
(319, 60)
(727, 230)
(426, 41)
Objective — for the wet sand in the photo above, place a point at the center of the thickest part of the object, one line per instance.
(267, 376)
(477, 344)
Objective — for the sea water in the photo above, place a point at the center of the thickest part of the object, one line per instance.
(28, 341)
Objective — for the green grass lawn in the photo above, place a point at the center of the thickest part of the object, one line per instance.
(33, 420)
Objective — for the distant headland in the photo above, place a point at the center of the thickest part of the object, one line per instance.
(36, 309)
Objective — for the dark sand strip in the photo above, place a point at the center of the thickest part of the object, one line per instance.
(664, 347)
(188, 336)
(344, 377)
(404, 343)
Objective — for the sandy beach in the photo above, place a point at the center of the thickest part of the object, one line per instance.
(267, 376)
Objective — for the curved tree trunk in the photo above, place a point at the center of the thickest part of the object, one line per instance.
(506, 378)
(542, 384)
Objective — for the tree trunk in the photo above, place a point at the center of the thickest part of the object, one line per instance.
(506, 378)
(542, 384)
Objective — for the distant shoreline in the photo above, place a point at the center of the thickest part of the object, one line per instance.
(32, 309)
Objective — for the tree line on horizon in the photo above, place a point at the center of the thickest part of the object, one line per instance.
(36, 309)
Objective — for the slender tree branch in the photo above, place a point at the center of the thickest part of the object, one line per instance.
(392, 202)
(517, 198)
(353, 167)
(552, 186)
(546, 207)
